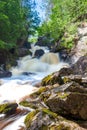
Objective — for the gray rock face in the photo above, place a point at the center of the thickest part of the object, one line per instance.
(80, 67)
(81, 46)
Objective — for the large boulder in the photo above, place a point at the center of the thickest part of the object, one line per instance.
(69, 104)
(45, 119)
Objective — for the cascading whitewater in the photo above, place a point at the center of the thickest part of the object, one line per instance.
(20, 85)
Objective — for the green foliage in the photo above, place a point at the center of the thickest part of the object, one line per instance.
(62, 14)
(17, 20)
(2, 44)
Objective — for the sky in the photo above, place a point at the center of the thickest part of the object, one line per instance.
(40, 9)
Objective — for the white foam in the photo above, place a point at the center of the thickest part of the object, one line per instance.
(12, 91)
(16, 125)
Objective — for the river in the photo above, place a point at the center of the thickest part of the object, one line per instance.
(25, 75)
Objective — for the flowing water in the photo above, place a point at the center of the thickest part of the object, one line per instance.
(28, 72)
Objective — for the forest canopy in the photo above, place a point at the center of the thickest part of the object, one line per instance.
(18, 19)
(61, 13)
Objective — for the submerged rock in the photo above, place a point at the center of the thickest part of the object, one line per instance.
(5, 74)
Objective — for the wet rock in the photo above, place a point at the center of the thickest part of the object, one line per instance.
(69, 104)
(5, 74)
(23, 52)
(28, 73)
(27, 45)
(79, 68)
(38, 53)
(64, 55)
(8, 108)
(52, 79)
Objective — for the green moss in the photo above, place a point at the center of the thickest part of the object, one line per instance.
(47, 111)
(8, 108)
(44, 128)
(38, 92)
(52, 79)
(63, 95)
(46, 80)
(66, 79)
(4, 108)
(29, 118)
(28, 104)
(59, 127)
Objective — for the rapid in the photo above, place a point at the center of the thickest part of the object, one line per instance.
(25, 75)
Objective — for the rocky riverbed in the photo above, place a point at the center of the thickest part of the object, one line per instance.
(61, 101)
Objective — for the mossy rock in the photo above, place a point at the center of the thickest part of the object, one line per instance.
(52, 79)
(38, 92)
(8, 108)
(63, 95)
(60, 127)
(44, 128)
(50, 113)
(28, 104)
(29, 118)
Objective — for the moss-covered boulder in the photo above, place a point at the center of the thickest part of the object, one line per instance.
(70, 104)
(29, 118)
(45, 119)
(52, 79)
(8, 108)
(40, 119)
(32, 104)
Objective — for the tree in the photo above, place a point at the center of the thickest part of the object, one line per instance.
(17, 20)
(62, 14)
